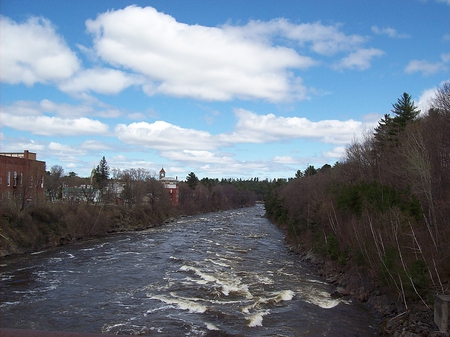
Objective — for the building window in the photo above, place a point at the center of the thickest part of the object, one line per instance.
(15, 179)
(21, 179)
(8, 179)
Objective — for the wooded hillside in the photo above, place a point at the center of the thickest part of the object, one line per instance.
(385, 207)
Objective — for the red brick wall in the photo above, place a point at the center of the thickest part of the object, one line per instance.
(22, 179)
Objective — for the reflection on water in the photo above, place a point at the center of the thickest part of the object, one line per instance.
(229, 272)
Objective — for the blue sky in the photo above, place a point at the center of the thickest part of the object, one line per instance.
(236, 89)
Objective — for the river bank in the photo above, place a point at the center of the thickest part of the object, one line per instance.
(53, 225)
(416, 320)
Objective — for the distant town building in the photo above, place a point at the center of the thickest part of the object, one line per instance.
(21, 178)
(171, 185)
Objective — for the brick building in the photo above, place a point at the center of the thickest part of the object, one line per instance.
(171, 185)
(21, 178)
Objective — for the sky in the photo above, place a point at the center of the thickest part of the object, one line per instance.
(223, 88)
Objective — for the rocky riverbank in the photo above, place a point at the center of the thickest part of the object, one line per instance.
(417, 320)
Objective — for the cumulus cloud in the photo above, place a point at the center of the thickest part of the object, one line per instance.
(254, 128)
(100, 80)
(337, 152)
(48, 118)
(425, 99)
(64, 149)
(55, 126)
(391, 32)
(164, 136)
(64, 110)
(360, 59)
(167, 57)
(194, 61)
(32, 52)
(428, 68)
(196, 146)
(216, 63)
(322, 39)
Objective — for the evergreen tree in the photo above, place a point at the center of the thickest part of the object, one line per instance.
(404, 111)
(385, 131)
(101, 174)
(192, 180)
(298, 174)
(310, 171)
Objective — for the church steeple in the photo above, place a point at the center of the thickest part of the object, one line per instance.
(162, 173)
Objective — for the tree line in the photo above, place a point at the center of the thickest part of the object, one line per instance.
(141, 187)
(78, 208)
(385, 206)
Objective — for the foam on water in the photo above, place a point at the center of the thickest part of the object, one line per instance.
(221, 264)
(322, 299)
(228, 283)
(181, 303)
(211, 327)
(256, 319)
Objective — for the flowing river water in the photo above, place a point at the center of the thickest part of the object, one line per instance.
(219, 274)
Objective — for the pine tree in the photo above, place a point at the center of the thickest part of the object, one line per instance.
(405, 111)
(384, 130)
(192, 180)
(101, 174)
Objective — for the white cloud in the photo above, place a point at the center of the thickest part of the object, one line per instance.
(161, 135)
(137, 116)
(65, 150)
(32, 52)
(100, 80)
(197, 157)
(425, 67)
(22, 108)
(216, 63)
(193, 61)
(285, 160)
(359, 59)
(423, 103)
(21, 143)
(337, 152)
(52, 126)
(445, 57)
(253, 128)
(65, 110)
(325, 40)
(391, 32)
(425, 98)
(95, 145)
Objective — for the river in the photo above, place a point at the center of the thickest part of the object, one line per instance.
(226, 273)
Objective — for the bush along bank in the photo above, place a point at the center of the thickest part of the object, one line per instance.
(368, 240)
(54, 224)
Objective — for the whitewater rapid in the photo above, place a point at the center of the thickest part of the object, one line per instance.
(228, 272)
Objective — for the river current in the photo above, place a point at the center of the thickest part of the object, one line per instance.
(226, 273)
